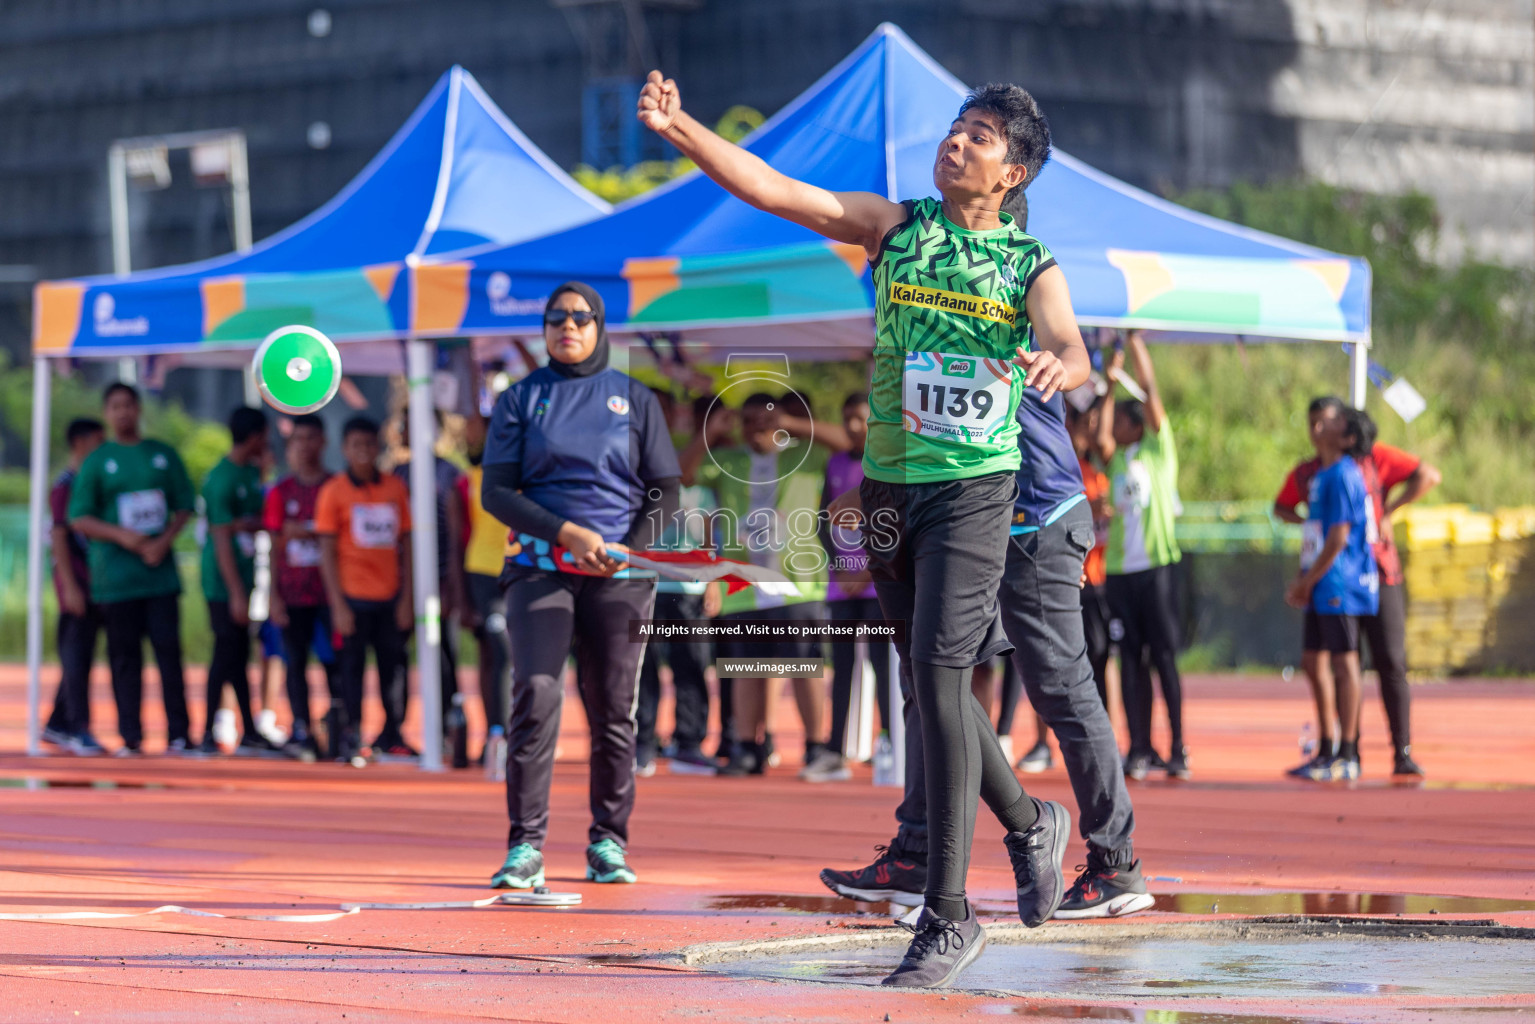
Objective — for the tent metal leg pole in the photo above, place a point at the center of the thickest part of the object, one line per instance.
(1358, 373)
(42, 393)
(420, 363)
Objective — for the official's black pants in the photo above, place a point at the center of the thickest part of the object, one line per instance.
(546, 614)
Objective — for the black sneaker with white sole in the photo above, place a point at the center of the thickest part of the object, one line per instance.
(891, 877)
(1036, 855)
(940, 949)
(1102, 890)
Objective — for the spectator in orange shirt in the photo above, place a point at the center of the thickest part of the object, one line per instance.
(363, 521)
(1384, 469)
(1083, 427)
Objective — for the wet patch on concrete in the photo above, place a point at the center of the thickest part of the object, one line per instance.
(1274, 966)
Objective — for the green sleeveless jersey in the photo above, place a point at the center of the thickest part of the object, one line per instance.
(948, 318)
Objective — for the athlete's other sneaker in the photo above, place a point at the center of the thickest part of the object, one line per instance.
(1104, 891)
(209, 746)
(828, 766)
(56, 737)
(644, 764)
(940, 949)
(1138, 764)
(767, 754)
(1405, 765)
(1036, 855)
(891, 877)
(606, 862)
(181, 747)
(523, 869)
(692, 761)
(1350, 768)
(1177, 766)
(1037, 760)
(127, 751)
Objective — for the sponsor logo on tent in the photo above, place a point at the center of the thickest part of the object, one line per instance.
(498, 290)
(108, 326)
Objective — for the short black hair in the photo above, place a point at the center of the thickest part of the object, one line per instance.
(758, 400)
(1325, 403)
(855, 399)
(245, 423)
(127, 389)
(1028, 133)
(1134, 410)
(359, 425)
(81, 428)
(1359, 433)
(309, 419)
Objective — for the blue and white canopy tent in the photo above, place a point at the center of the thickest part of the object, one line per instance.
(691, 260)
(457, 173)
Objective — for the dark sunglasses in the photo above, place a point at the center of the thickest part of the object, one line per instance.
(556, 317)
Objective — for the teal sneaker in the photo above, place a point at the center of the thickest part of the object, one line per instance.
(524, 869)
(605, 862)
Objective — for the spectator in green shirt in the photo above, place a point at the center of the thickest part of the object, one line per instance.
(131, 499)
(232, 503)
(1136, 440)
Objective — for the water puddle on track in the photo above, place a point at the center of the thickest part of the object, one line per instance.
(1304, 968)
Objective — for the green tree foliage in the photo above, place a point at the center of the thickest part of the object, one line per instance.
(1461, 334)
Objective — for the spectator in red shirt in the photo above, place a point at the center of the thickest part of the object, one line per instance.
(299, 605)
(80, 622)
(1385, 469)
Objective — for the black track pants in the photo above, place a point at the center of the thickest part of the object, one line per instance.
(546, 615)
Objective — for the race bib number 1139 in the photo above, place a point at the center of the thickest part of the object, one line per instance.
(955, 397)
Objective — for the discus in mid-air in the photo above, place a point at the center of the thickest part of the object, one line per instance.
(297, 369)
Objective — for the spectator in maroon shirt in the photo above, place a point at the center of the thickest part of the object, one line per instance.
(1385, 469)
(299, 605)
(69, 726)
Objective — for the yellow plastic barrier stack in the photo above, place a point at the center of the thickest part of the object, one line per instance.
(1470, 588)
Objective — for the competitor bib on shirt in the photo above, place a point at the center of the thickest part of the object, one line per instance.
(139, 486)
(949, 317)
(1351, 585)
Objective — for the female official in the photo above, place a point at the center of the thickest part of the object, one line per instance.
(579, 459)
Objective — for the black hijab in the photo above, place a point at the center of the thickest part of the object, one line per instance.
(598, 360)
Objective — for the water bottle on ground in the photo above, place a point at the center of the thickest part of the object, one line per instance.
(495, 754)
(457, 727)
(884, 762)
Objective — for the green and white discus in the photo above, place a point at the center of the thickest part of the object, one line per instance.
(297, 369)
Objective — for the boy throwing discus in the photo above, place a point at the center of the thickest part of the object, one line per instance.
(969, 312)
